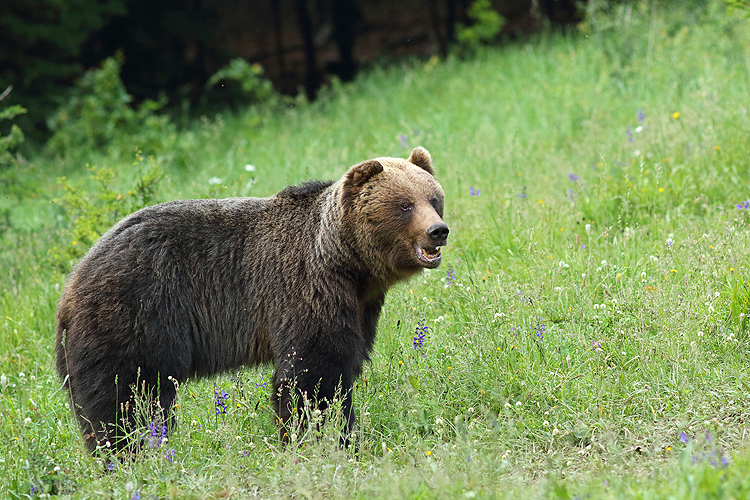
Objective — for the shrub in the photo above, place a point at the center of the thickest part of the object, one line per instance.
(238, 84)
(9, 142)
(42, 44)
(486, 25)
(98, 115)
(250, 78)
(10, 183)
(94, 211)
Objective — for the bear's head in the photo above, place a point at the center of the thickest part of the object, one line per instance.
(392, 210)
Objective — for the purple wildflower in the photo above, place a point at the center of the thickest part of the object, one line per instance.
(474, 193)
(36, 488)
(170, 456)
(540, 329)
(574, 177)
(262, 384)
(641, 116)
(220, 401)
(629, 134)
(156, 434)
(683, 437)
(420, 334)
(136, 496)
(745, 206)
(404, 141)
(450, 277)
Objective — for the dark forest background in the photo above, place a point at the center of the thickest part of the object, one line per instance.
(171, 48)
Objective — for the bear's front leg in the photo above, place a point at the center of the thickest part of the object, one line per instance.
(317, 385)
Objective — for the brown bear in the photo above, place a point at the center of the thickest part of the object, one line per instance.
(197, 287)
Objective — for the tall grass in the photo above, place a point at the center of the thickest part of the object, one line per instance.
(586, 334)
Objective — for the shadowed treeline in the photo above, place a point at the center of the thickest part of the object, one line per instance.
(174, 46)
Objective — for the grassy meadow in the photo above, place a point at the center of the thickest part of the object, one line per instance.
(585, 337)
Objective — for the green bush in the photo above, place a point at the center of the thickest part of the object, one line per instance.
(93, 211)
(9, 142)
(10, 183)
(486, 25)
(41, 47)
(245, 81)
(98, 115)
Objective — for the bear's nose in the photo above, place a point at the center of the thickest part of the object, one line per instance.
(438, 233)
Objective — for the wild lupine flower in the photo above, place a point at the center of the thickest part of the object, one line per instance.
(683, 437)
(450, 277)
(540, 329)
(641, 116)
(420, 334)
(474, 193)
(574, 177)
(170, 456)
(262, 384)
(220, 401)
(156, 434)
(712, 458)
(745, 206)
(629, 134)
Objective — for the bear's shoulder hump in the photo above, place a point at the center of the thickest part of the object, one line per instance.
(305, 190)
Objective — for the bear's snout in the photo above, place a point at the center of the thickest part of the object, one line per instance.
(438, 233)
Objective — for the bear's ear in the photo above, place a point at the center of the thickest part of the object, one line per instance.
(421, 158)
(359, 174)
(357, 177)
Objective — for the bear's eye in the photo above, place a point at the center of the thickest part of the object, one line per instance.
(406, 206)
(434, 203)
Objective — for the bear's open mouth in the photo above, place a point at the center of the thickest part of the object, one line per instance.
(430, 256)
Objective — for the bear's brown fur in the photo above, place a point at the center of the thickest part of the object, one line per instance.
(196, 287)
